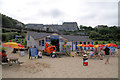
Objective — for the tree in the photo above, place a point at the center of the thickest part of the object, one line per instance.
(94, 34)
(9, 22)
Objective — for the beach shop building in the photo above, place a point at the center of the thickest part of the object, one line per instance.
(39, 40)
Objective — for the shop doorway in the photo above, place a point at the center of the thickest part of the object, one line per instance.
(55, 42)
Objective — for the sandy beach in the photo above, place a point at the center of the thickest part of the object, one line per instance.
(64, 67)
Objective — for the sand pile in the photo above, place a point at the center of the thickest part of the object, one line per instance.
(34, 67)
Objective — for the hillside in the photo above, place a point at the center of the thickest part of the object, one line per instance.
(8, 22)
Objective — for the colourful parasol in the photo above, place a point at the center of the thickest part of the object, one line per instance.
(90, 45)
(12, 45)
(86, 46)
(80, 45)
(99, 45)
(111, 45)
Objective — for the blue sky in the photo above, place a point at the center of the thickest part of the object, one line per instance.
(84, 12)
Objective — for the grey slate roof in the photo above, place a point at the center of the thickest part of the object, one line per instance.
(34, 26)
(77, 38)
(69, 22)
(37, 35)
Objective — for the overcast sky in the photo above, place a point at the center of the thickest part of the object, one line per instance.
(84, 12)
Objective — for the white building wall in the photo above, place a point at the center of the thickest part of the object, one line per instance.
(73, 46)
(61, 46)
(70, 44)
(40, 47)
(31, 42)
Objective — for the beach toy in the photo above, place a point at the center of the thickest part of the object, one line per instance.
(46, 44)
(50, 49)
(71, 55)
(91, 54)
(85, 60)
(65, 46)
(53, 56)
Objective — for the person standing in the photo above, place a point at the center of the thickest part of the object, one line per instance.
(101, 53)
(95, 52)
(113, 51)
(107, 54)
(4, 56)
(35, 52)
(30, 52)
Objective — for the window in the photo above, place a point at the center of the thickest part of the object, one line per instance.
(88, 42)
(80, 42)
(85, 43)
(96, 42)
(61, 40)
(42, 42)
(47, 39)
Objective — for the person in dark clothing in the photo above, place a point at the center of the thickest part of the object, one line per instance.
(107, 54)
(4, 56)
(14, 50)
(30, 52)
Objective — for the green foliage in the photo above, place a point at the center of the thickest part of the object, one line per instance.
(104, 34)
(85, 27)
(94, 34)
(5, 36)
(2, 48)
(9, 22)
(9, 36)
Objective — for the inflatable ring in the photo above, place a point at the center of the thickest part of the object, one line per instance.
(51, 49)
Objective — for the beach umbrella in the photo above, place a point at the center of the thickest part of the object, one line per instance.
(99, 45)
(12, 45)
(80, 45)
(111, 45)
(107, 44)
(86, 46)
(9, 44)
(19, 45)
(90, 45)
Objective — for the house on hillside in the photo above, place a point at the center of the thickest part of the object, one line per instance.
(66, 26)
(53, 27)
(39, 40)
(70, 26)
(35, 26)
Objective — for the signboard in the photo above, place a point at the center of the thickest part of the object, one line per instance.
(33, 52)
(54, 37)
